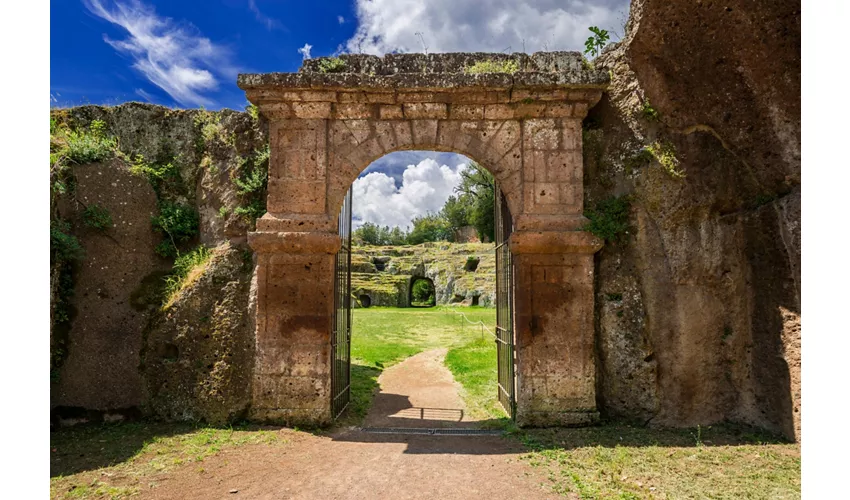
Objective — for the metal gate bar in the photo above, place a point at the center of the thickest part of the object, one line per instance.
(504, 304)
(341, 337)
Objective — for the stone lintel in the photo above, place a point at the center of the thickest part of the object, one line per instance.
(294, 242)
(556, 418)
(554, 242)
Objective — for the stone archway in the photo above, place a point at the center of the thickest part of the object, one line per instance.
(525, 127)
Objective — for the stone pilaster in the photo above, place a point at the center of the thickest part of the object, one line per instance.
(295, 305)
(554, 327)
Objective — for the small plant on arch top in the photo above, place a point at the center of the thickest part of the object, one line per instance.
(331, 65)
(489, 66)
(596, 42)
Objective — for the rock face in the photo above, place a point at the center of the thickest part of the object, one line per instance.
(105, 340)
(112, 347)
(199, 351)
(698, 311)
(462, 273)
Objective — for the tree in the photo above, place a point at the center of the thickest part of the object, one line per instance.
(477, 190)
(456, 211)
(431, 227)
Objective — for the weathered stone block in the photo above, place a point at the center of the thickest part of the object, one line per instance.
(344, 111)
(391, 112)
(311, 109)
(466, 112)
(420, 110)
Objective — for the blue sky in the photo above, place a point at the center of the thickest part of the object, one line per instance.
(187, 54)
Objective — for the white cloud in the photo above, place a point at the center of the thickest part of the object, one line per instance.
(305, 50)
(144, 95)
(177, 59)
(425, 187)
(268, 22)
(340, 19)
(481, 25)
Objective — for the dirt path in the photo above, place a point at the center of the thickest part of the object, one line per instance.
(355, 465)
(351, 464)
(419, 392)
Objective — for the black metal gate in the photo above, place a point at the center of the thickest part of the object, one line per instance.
(504, 304)
(341, 337)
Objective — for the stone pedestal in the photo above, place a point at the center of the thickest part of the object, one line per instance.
(553, 318)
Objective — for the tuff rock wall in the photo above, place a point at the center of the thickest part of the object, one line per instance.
(698, 308)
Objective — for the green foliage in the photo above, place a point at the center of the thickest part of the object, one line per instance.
(158, 174)
(508, 66)
(648, 112)
(183, 266)
(90, 146)
(423, 292)
(595, 43)
(178, 223)
(97, 217)
(477, 192)
(331, 65)
(251, 183)
(254, 111)
(665, 153)
(373, 234)
(457, 211)
(614, 297)
(64, 247)
(609, 220)
(430, 227)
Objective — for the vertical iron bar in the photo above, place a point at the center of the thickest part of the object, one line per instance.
(341, 335)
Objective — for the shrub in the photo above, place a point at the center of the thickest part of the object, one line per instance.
(90, 146)
(64, 247)
(609, 220)
(508, 66)
(178, 223)
(331, 65)
(97, 217)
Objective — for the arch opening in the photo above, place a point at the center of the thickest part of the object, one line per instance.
(422, 292)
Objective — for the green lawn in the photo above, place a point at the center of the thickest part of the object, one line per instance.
(383, 336)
